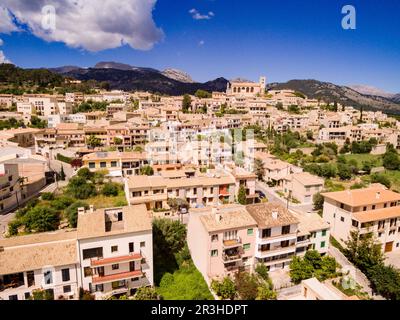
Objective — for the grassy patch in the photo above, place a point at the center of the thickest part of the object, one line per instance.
(186, 283)
(336, 244)
(376, 160)
(102, 201)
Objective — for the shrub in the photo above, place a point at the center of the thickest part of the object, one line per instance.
(71, 212)
(110, 189)
(41, 218)
(47, 196)
(224, 289)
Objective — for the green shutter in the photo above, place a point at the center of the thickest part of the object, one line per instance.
(323, 244)
(246, 246)
(249, 232)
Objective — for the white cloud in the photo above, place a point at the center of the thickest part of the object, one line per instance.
(201, 43)
(3, 58)
(196, 15)
(90, 24)
(6, 21)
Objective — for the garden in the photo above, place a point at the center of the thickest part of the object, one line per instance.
(54, 211)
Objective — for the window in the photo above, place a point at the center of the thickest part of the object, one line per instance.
(214, 253)
(92, 253)
(114, 248)
(373, 207)
(142, 244)
(385, 205)
(103, 164)
(131, 247)
(115, 266)
(285, 229)
(27, 295)
(266, 233)
(341, 206)
(99, 287)
(249, 232)
(323, 244)
(13, 297)
(354, 223)
(214, 237)
(365, 209)
(65, 274)
(92, 165)
(342, 219)
(48, 277)
(87, 271)
(113, 163)
(246, 246)
(323, 233)
(66, 289)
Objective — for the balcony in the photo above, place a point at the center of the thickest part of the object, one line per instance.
(116, 277)
(276, 250)
(234, 254)
(232, 243)
(5, 185)
(113, 260)
(6, 196)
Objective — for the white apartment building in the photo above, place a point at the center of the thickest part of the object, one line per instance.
(110, 252)
(116, 250)
(373, 210)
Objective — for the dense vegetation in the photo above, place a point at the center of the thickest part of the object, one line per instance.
(312, 265)
(174, 272)
(246, 286)
(366, 254)
(82, 190)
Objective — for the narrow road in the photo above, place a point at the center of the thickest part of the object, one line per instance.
(272, 197)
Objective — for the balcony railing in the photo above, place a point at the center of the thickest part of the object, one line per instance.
(116, 276)
(5, 185)
(6, 196)
(231, 243)
(96, 262)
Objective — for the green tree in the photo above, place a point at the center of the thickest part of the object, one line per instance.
(318, 201)
(41, 218)
(391, 160)
(344, 171)
(246, 285)
(117, 141)
(147, 170)
(224, 289)
(386, 281)
(202, 94)
(266, 292)
(37, 123)
(85, 173)
(382, 179)
(365, 252)
(62, 174)
(92, 141)
(79, 188)
(146, 293)
(186, 103)
(47, 196)
(110, 189)
(72, 212)
(242, 199)
(259, 169)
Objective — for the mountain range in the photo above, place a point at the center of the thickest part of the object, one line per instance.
(171, 81)
(122, 76)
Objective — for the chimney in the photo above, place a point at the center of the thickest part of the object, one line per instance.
(81, 210)
(378, 195)
(274, 214)
(91, 208)
(216, 213)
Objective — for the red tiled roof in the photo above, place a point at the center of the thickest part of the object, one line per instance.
(102, 262)
(117, 276)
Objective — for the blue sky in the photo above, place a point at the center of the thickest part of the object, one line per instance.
(282, 40)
